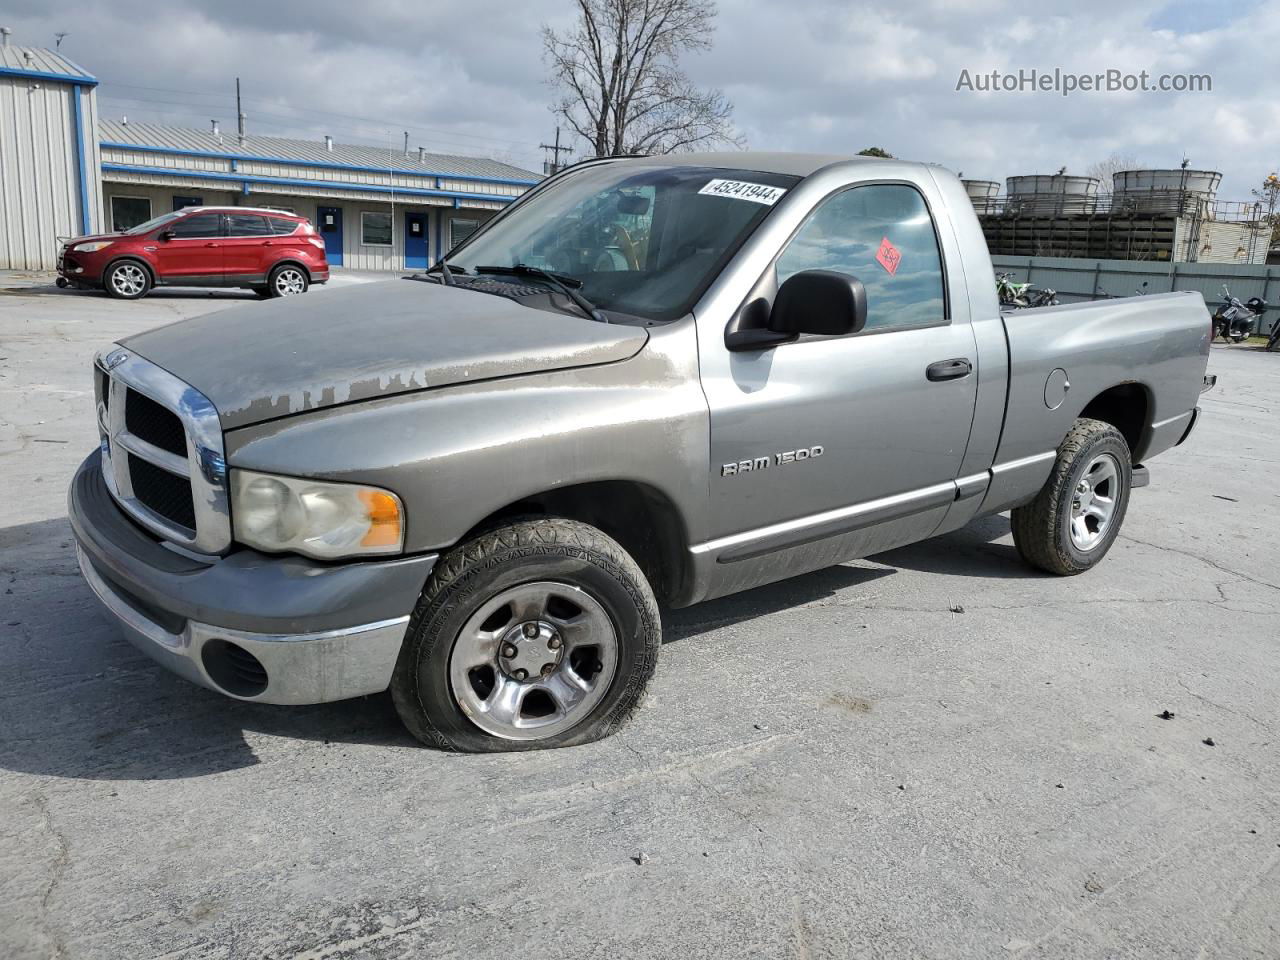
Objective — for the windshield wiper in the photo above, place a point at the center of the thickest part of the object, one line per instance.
(446, 272)
(565, 284)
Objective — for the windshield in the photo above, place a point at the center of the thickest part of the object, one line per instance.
(643, 239)
(152, 223)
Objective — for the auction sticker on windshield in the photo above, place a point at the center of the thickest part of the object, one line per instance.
(742, 190)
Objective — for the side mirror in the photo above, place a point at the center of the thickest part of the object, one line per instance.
(165, 235)
(819, 302)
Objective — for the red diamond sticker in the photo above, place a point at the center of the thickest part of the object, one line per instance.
(889, 256)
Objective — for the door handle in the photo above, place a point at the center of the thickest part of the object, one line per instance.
(213, 244)
(949, 369)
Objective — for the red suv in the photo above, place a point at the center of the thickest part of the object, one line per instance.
(273, 253)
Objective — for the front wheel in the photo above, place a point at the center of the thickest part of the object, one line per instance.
(1075, 518)
(127, 280)
(287, 280)
(541, 633)
(1239, 337)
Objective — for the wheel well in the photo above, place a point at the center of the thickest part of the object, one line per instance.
(642, 519)
(138, 260)
(1126, 407)
(290, 263)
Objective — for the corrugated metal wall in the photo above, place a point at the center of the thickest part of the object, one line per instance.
(1078, 279)
(355, 254)
(39, 169)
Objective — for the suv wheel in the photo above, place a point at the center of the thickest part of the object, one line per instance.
(1075, 518)
(127, 280)
(287, 280)
(541, 633)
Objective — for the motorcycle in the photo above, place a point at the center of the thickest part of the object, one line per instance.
(1236, 321)
(1018, 295)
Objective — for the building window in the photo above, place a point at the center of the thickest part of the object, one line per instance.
(375, 229)
(128, 212)
(459, 230)
(181, 203)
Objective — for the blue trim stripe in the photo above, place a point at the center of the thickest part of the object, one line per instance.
(240, 157)
(313, 184)
(77, 92)
(84, 80)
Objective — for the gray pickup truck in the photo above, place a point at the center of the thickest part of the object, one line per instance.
(647, 383)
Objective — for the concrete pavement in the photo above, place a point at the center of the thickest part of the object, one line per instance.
(840, 765)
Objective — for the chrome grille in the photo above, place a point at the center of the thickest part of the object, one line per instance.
(162, 453)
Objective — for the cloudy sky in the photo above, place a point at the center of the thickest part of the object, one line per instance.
(819, 75)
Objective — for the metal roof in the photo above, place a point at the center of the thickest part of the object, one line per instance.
(35, 61)
(311, 152)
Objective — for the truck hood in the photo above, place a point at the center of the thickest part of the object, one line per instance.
(372, 340)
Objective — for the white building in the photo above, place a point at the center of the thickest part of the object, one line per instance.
(64, 172)
(49, 163)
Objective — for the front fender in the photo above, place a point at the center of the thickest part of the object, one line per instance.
(457, 454)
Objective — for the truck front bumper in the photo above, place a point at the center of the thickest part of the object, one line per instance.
(270, 629)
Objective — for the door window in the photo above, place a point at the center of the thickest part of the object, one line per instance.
(883, 235)
(201, 225)
(282, 227)
(248, 225)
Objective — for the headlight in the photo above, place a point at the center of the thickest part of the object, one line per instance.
(319, 519)
(93, 247)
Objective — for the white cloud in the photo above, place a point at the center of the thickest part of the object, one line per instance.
(819, 75)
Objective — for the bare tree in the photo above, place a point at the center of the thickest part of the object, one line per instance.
(1103, 169)
(622, 87)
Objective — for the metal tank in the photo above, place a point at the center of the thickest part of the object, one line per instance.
(1046, 195)
(1174, 192)
(982, 194)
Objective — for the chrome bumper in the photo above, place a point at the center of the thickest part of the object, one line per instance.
(290, 668)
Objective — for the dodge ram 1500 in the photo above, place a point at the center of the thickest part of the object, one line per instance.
(646, 383)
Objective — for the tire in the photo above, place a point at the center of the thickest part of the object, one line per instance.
(550, 595)
(127, 280)
(1239, 338)
(1052, 532)
(287, 279)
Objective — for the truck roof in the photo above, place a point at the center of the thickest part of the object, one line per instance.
(790, 164)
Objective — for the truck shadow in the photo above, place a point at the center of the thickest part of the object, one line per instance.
(77, 701)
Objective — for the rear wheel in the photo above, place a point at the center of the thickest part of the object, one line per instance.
(1075, 518)
(287, 280)
(541, 633)
(127, 280)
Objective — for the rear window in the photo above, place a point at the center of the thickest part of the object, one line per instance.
(281, 227)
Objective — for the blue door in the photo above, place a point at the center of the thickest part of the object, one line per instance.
(415, 241)
(329, 221)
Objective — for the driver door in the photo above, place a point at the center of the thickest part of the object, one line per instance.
(833, 447)
(192, 254)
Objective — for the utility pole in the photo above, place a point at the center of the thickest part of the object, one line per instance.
(239, 114)
(554, 166)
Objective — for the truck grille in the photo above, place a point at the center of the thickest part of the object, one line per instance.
(147, 420)
(161, 491)
(162, 452)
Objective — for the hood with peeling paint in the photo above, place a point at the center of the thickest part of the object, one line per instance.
(282, 357)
